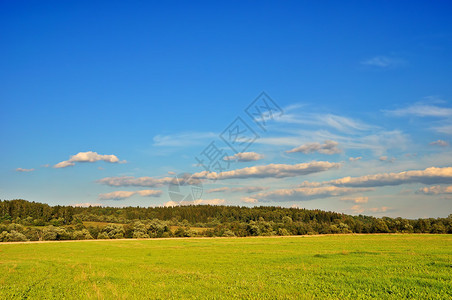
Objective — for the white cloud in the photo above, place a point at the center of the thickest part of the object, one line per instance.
(24, 170)
(385, 158)
(245, 157)
(306, 193)
(354, 158)
(383, 62)
(381, 209)
(219, 190)
(358, 209)
(328, 147)
(88, 156)
(435, 190)
(120, 195)
(430, 175)
(135, 181)
(380, 142)
(116, 195)
(150, 193)
(249, 200)
(355, 199)
(339, 123)
(216, 201)
(271, 170)
(310, 184)
(64, 164)
(343, 124)
(246, 189)
(87, 204)
(183, 139)
(443, 114)
(440, 143)
(351, 133)
(447, 129)
(422, 110)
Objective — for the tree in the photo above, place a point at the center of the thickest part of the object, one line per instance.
(438, 228)
(380, 226)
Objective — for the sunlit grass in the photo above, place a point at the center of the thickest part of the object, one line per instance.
(345, 266)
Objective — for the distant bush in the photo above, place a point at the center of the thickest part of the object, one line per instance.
(82, 235)
(13, 236)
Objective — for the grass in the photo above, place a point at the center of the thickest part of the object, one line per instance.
(335, 267)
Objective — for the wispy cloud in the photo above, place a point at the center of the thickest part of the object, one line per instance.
(196, 202)
(383, 62)
(328, 147)
(443, 114)
(249, 200)
(359, 209)
(306, 193)
(245, 157)
(435, 190)
(271, 170)
(447, 128)
(355, 199)
(245, 189)
(24, 170)
(440, 143)
(430, 175)
(379, 141)
(89, 156)
(319, 120)
(355, 158)
(135, 181)
(120, 195)
(149, 193)
(387, 159)
(265, 171)
(421, 110)
(183, 139)
(87, 204)
(381, 209)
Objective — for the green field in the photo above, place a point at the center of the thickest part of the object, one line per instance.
(338, 267)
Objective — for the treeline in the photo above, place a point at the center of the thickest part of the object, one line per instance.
(21, 220)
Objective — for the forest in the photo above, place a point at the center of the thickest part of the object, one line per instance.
(22, 220)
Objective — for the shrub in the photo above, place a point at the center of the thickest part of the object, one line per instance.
(82, 235)
(228, 233)
(140, 235)
(103, 236)
(283, 231)
(114, 231)
(13, 236)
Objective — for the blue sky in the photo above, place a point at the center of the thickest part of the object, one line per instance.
(139, 89)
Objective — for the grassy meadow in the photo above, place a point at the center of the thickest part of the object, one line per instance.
(335, 267)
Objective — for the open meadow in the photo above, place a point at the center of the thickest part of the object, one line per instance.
(333, 266)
